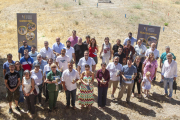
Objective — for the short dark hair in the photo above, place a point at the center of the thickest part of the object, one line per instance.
(68, 41)
(106, 38)
(120, 47)
(9, 54)
(33, 46)
(129, 41)
(103, 63)
(86, 51)
(11, 64)
(74, 31)
(129, 59)
(130, 33)
(49, 59)
(87, 36)
(87, 66)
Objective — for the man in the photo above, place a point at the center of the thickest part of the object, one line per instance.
(154, 50)
(129, 38)
(33, 53)
(69, 79)
(12, 82)
(163, 58)
(6, 64)
(129, 50)
(169, 73)
(46, 52)
(22, 48)
(86, 60)
(57, 47)
(73, 38)
(40, 61)
(87, 41)
(79, 50)
(26, 61)
(140, 50)
(70, 51)
(116, 46)
(121, 55)
(114, 68)
(129, 74)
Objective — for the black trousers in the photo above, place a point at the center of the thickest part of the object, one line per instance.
(39, 95)
(138, 86)
(30, 103)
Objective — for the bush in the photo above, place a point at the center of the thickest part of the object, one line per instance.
(177, 2)
(166, 24)
(137, 6)
(76, 22)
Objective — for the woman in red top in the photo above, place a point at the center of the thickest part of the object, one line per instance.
(93, 49)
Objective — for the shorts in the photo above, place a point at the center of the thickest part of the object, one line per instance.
(115, 84)
(12, 95)
(95, 59)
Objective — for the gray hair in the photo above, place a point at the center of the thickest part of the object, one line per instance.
(168, 54)
(45, 41)
(39, 55)
(26, 71)
(115, 57)
(167, 47)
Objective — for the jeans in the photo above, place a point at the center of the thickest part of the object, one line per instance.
(30, 103)
(102, 96)
(21, 98)
(73, 97)
(39, 95)
(170, 81)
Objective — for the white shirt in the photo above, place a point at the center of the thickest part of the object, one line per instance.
(113, 69)
(132, 41)
(47, 53)
(34, 56)
(140, 49)
(69, 52)
(156, 53)
(68, 77)
(169, 70)
(63, 62)
(37, 77)
(82, 62)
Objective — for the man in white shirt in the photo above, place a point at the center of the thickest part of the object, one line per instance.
(114, 69)
(57, 47)
(140, 50)
(129, 38)
(154, 50)
(69, 79)
(86, 60)
(33, 53)
(46, 52)
(169, 73)
(70, 51)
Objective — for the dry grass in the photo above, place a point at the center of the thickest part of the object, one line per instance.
(58, 19)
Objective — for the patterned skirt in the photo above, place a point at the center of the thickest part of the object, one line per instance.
(85, 96)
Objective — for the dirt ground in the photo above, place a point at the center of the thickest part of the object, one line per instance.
(60, 17)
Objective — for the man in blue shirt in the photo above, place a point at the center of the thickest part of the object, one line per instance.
(22, 48)
(57, 47)
(6, 64)
(130, 38)
(128, 75)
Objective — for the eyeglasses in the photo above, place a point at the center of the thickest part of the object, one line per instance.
(53, 67)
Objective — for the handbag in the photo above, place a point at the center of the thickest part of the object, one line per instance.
(36, 90)
(175, 86)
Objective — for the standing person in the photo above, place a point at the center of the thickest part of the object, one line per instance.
(106, 52)
(20, 70)
(169, 73)
(137, 63)
(86, 60)
(103, 77)
(69, 79)
(150, 64)
(6, 64)
(40, 61)
(37, 75)
(129, 74)
(86, 97)
(26, 61)
(114, 68)
(140, 50)
(163, 58)
(93, 50)
(132, 39)
(22, 48)
(87, 41)
(33, 53)
(27, 88)
(146, 84)
(154, 50)
(12, 82)
(70, 51)
(79, 50)
(121, 55)
(116, 46)
(57, 47)
(73, 38)
(46, 52)
(129, 50)
(52, 86)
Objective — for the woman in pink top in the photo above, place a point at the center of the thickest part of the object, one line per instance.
(150, 64)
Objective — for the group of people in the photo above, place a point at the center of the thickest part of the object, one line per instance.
(51, 71)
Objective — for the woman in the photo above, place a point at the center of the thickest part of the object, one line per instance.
(150, 64)
(52, 79)
(86, 97)
(105, 53)
(27, 88)
(20, 71)
(137, 63)
(87, 41)
(93, 49)
(103, 77)
(37, 75)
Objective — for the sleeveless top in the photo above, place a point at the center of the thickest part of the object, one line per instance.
(106, 50)
(27, 85)
(37, 77)
(92, 51)
(87, 78)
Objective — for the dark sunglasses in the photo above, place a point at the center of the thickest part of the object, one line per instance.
(53, 67)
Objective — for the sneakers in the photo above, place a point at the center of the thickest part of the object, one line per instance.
(112, 96)
(17, 108)
(10, 110)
